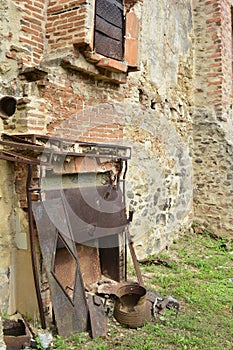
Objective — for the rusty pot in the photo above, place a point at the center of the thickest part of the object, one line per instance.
(131, 307)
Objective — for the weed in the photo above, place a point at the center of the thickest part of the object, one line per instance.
(5, 314)
(39, 344)
(59, 343)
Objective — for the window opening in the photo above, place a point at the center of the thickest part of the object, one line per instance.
(109, 28)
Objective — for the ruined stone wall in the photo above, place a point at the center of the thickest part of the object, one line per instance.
(6, 239)
(159, 127)
(6, 172)
(6, 243)
(16, 271)
(212, 117)
(67, 90)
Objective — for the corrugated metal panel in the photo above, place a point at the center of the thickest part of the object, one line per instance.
(109, 28)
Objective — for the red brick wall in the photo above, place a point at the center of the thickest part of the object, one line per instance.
(226, 25)
(50, 28)
(66, 24)
(31, 30)
(212, 21)
(87, 114)
(66, 102)
(54, 103)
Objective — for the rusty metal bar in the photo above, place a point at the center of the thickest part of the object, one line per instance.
(16, 157)
(64, 141)
(112, 152)
(23, 145)
(32, 246)
(134, 258)
(17, 138)
(125, 237)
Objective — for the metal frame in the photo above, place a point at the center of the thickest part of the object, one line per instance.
(15, 145)
(16, 149)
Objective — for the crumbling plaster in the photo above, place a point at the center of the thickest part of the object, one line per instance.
(9, 24)
(159, 126)
(14, 247)
(165, 41)
(6, 244)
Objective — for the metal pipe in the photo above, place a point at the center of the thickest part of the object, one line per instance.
(125, 238)
(134, 258)
(32, 246)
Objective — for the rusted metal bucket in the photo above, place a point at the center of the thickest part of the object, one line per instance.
(131, 307)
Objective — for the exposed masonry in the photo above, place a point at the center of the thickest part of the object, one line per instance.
(212, 116)
(66, 10)
(172, 104)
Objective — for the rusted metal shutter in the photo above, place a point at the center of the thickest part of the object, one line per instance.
(109, 28)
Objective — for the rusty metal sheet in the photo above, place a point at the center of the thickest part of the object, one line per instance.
(110, 11)
(108, 47)
(98, 317)
(64, 220)
(108, 29)
(90, 213)
(64, 267)
(89, 262)
(71, 313)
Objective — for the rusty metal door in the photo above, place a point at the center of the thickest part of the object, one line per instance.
(62, 266)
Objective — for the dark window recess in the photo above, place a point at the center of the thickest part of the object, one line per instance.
(109, 28)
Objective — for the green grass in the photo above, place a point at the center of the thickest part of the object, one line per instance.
(200, 277)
